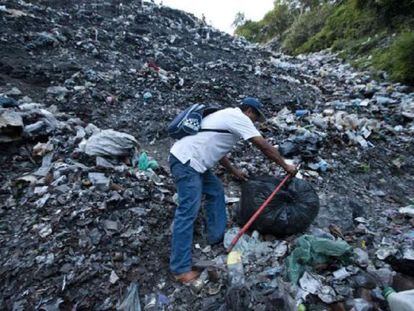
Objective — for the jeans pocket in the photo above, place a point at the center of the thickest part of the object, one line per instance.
(180, 171)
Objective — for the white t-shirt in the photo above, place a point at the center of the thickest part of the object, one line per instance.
(205, 149)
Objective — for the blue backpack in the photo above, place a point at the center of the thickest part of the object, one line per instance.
(188, 122)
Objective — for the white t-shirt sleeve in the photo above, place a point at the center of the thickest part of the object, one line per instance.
(242, 126)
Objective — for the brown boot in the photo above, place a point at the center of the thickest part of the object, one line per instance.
(187, 277)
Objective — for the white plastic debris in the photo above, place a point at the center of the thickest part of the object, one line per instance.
(341, 274)
(113, 278)
(361, 257)
(42, 201)
(131, 301)
(385, 251)
(253, 245)
(44, 229)
(327, 294)
(310, 283)
(57, 90)
(46, 165)
(230, 200)
(109, 143)
(408, 210)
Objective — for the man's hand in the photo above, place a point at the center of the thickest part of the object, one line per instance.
(240, 175)
(290, 169)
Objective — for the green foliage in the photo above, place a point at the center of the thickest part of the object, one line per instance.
(273, 24)
(277, 21)
(386, 9)
(344, 25)
(369, 33)
(304, 27)
(398, 59)
(250, 30)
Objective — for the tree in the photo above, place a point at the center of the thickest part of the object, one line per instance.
(239, 20)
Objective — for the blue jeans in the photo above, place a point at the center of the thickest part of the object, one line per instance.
(191, 185)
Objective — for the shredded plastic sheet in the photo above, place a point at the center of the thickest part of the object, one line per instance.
(131, 301)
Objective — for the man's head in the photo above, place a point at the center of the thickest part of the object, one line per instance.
(252, 108)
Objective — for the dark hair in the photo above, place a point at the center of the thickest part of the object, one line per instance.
(244, 107)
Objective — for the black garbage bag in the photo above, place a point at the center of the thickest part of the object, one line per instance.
(291, 211)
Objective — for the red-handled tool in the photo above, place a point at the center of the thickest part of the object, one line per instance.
(257, 213)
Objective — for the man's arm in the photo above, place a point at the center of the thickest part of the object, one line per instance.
(272, 153)
(225, 162)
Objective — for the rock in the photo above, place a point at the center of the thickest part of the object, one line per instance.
(57, 90)
(6, 102)
(14, 91)
(99, 180)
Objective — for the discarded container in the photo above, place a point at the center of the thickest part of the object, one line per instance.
(291, 211)
(401, 301)
(301, 113)
(237, 295)
(235, 269)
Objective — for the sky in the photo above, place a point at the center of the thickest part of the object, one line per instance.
(221, 13)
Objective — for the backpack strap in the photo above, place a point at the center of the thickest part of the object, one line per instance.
(215, 130)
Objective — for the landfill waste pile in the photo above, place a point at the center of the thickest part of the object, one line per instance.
(86, 199)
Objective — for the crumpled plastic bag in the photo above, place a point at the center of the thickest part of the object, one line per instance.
(131, 301)
(109, 143)
(311, 250)
(144, 163)
(253, 244)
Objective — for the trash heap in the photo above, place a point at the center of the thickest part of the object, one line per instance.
(79, 205)
(86, 200)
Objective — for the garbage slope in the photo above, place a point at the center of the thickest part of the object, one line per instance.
(78, 230)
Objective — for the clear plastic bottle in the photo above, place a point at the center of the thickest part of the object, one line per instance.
(235, 269)
(401, 301)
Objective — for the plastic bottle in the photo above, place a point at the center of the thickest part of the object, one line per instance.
(302, 112)
(401, 301)
(235, 269)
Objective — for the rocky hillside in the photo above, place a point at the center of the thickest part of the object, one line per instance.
(87, 226)
(375, 35)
